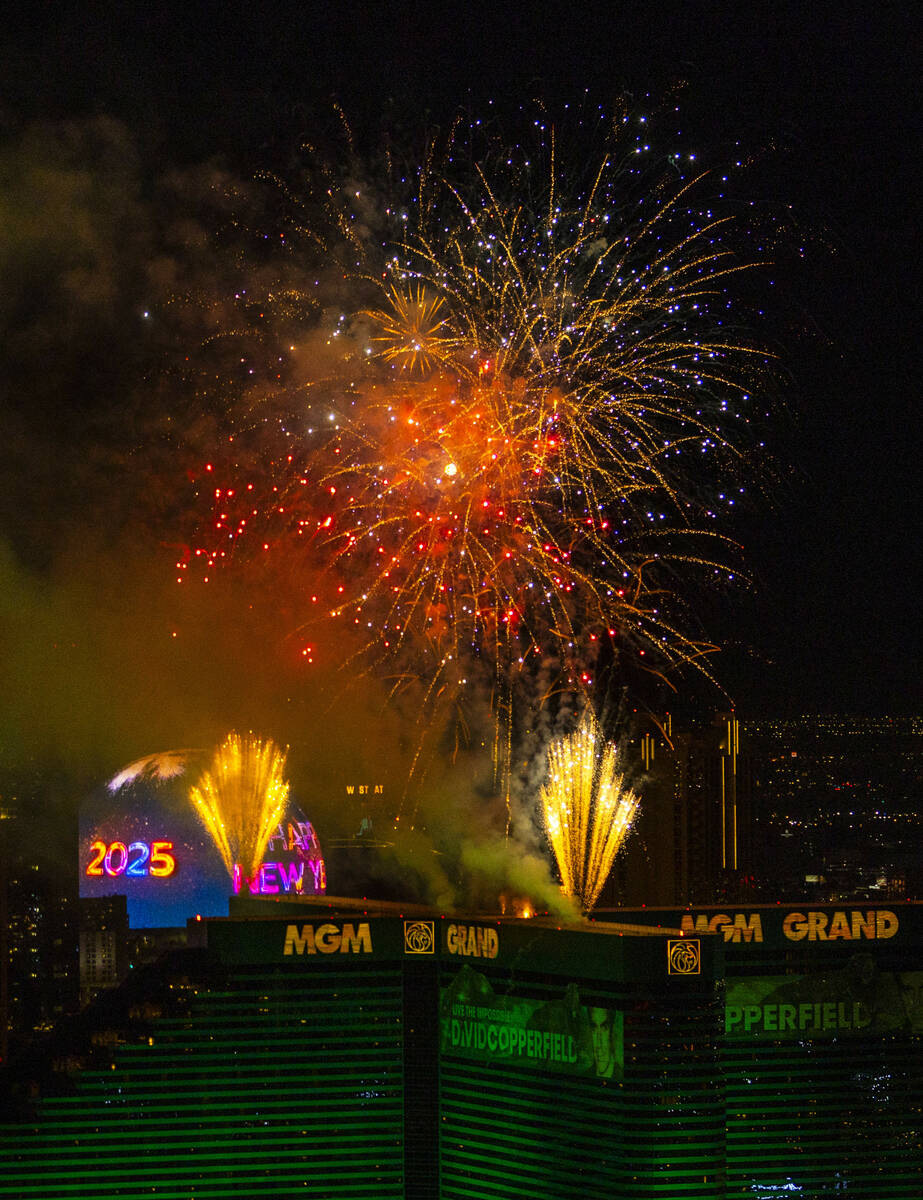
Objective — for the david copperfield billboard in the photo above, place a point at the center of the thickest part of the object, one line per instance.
(812, 972)
(560, 1035)
(859, 1000)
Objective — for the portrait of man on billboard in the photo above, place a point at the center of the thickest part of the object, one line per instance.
(607, 1044)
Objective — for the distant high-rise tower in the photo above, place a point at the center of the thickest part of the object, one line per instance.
(37, 943)
(654, 866)
(691, 841)
(103, 944)
(720, 813)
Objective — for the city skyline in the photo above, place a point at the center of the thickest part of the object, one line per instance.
(387, 392)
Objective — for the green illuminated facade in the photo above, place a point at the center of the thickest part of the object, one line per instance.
(822, 1058)
(258, 1086)
(326, 1050)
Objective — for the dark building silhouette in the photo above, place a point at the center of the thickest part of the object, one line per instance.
(721, 814)
(654, 866)
(827, 807)
(691, 841)
(37, 927)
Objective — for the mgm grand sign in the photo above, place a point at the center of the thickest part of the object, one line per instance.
(347, 938)
(796, 925)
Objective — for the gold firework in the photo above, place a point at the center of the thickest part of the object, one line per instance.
(523, 486)
(544, 413)
(587, 809)
(408, 329)
(241, 798)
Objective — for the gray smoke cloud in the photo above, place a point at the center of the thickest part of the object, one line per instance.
(132, 338)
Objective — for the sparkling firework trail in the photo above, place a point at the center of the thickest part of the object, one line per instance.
(587, 809)
(538, 419)
(241, 799)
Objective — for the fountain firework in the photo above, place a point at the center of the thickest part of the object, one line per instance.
(241, 799)
(587, 809)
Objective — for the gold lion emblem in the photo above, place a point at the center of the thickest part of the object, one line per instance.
(684, 956)
(419, 937)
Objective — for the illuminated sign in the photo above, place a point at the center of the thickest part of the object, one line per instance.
(147, 843)
(741, 926)
(814, 925)
(304, 873)
(474, 941)
(828, 1016)
(293, 835)
(419, 937)
(275, 878)
(508, 1041)
(857, 999)
(560, 1035)
(684, 956)
(328, 939)
(136, 860)
(824, 927)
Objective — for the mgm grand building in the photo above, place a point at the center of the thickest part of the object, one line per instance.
(329, 1048)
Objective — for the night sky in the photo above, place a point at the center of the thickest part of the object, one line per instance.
(824, 101)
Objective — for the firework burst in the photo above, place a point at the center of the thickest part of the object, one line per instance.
(538, 419)
(410, 331)
(558, 369)
(168, 764)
